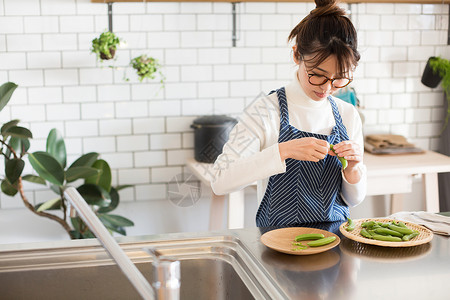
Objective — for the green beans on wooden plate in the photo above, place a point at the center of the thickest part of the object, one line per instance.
(315, 240)
(309, 236)
(322, 241)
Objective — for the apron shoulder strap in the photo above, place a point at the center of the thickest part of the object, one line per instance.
(338, 119)
(282, 102)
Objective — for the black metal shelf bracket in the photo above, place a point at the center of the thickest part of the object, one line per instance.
(448, 28)
(234, 37)
(110, 22)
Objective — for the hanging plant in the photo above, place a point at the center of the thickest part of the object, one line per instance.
(147, 67)
(438, 69)
(105, 45)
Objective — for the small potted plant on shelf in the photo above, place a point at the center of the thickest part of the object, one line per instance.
(437, 70)
(147, 67)
(90, 174)
(105, 45)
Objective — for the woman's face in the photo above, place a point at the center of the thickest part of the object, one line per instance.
(327, 68)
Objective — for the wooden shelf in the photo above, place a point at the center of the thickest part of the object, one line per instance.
(344, 1)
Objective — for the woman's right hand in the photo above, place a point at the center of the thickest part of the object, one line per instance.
(309, 148)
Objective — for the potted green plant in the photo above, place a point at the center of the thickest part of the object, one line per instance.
(105, 45)
(92, 174)
(147, 67)
(437, 70)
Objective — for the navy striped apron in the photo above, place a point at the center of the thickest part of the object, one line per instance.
(308, 191)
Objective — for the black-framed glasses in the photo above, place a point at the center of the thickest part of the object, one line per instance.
(337, 83)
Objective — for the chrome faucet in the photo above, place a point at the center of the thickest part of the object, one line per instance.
(166, 269)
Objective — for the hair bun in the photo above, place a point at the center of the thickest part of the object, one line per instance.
(322, 3)
(327, 7)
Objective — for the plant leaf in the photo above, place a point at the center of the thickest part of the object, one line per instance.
(20, 145)
(47, 167)
(55, 188)
(123, 186)
(75, 173)
(114, 202)
(76, 224)
(86, 160)
(110, 225)
(117, 229)
(103, 178)
(48, 205)
(116, 220)
(94, 194)
(76, 233)
(13, 169)
(8, 188)
(8, 125)
(18, 131)
(56, 146)
(6, 91)
(34, 179)
(88, 235)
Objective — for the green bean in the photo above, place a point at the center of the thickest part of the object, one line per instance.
(385, 225)
(299, 247)
(322, 241)
(401, 224)
(387, 238)
(368, 224)
(371, 231)
(350, 224)
(386, 231)
(401, 229)
(365, 233)
(343, 161)
(309, 236)
(410, 236)
(393, 231)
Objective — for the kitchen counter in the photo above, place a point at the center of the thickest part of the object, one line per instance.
(358, 271)
(349, 271)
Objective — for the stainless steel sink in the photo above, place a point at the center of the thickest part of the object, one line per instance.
(215, 267)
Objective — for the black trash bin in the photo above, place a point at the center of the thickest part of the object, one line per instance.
(210, 134)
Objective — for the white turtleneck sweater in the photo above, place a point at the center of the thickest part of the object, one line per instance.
(252, 154)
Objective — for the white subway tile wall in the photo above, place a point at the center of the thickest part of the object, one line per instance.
(143, 130)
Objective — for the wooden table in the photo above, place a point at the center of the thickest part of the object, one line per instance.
(386, 175)
(393, 174)
(235, 215)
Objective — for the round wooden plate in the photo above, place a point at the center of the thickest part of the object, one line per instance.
(281, 240)
(424, 237)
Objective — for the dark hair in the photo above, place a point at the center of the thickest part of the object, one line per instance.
(327, 31)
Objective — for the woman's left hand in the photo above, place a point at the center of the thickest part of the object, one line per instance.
(353, 153)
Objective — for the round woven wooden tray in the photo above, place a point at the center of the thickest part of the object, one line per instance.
(425, 235)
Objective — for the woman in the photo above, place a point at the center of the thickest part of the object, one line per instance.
(282, 141)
